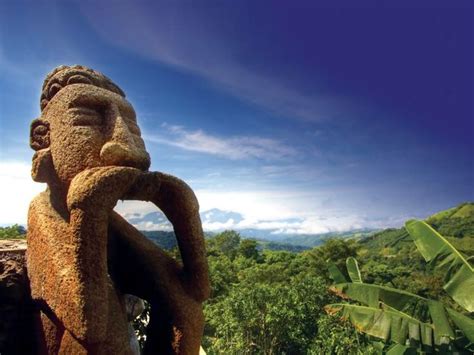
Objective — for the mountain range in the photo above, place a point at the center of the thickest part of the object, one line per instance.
(216, 220)
(454, 222)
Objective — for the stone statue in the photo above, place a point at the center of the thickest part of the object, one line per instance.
(82, 257)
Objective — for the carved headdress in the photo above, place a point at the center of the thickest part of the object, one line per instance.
(77, 74)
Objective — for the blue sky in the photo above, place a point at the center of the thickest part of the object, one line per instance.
(338, 115)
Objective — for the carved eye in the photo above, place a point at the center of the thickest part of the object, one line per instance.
(79, 79)
(53, 89)
(84, 116)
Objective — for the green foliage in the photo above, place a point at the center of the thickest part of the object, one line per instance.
(226, 243)
(13, 232)
(266, 245)
(353, 270)
(456, 222)
(248, 249)
(264, 302)
(272, 302)
(223, 274)
(335, 274)
(337, 336)
(334, 250)
(459, 274)
(267, 318)
(411, 305)
(394, 315)
(385, 324)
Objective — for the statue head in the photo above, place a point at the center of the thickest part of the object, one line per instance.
(85, 122)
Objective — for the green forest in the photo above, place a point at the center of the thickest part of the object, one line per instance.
(277, 302)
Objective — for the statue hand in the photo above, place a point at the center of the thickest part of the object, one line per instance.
(100, 188)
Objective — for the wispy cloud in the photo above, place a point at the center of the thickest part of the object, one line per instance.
(184, 39)
(234, 147)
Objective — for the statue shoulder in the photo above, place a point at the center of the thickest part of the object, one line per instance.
(39, 202)
(41, 212)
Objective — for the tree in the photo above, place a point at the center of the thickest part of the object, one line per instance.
(334, 250)
(226, 243)
(248, 249)
(13, 232)
(259, 318)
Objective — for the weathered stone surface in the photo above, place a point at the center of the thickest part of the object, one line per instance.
(16, 308)
(82, 257)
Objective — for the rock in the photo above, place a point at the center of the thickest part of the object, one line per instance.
(16, 307)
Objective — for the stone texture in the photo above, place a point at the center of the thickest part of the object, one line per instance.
(83, 257)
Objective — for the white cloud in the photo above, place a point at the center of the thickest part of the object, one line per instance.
(259, 218)
(17, 189)
(150, 226)
(236, 147)
(282, 211)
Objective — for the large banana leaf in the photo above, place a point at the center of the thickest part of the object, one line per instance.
(459, 277)
(464, 323)
(399, 349)
(353, 270)
(371, 295)
(402, 301)
(335, 274)
(385, 324)
(414, 333)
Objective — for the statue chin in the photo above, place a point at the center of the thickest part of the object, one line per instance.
(117, 154)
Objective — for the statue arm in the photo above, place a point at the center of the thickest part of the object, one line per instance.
(91, 198)
(179, 204)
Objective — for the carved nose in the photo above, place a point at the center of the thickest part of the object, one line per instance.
(115, 153)
(120, 131)
(121, 149)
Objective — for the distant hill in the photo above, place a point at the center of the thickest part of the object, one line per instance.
(164, 239)
(455, 224)
(306, 241)
(151, 224)
(295, 244)
(312, 240)
(266, 245)
(167, 241)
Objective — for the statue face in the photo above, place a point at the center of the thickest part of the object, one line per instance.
(92, 127)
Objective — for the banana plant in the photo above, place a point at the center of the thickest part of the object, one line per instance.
(389, 313)
(459, 274)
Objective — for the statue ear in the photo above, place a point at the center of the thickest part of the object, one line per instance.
(39, 134)
(42, 163)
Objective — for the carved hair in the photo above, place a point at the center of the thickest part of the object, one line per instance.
(65, 75)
